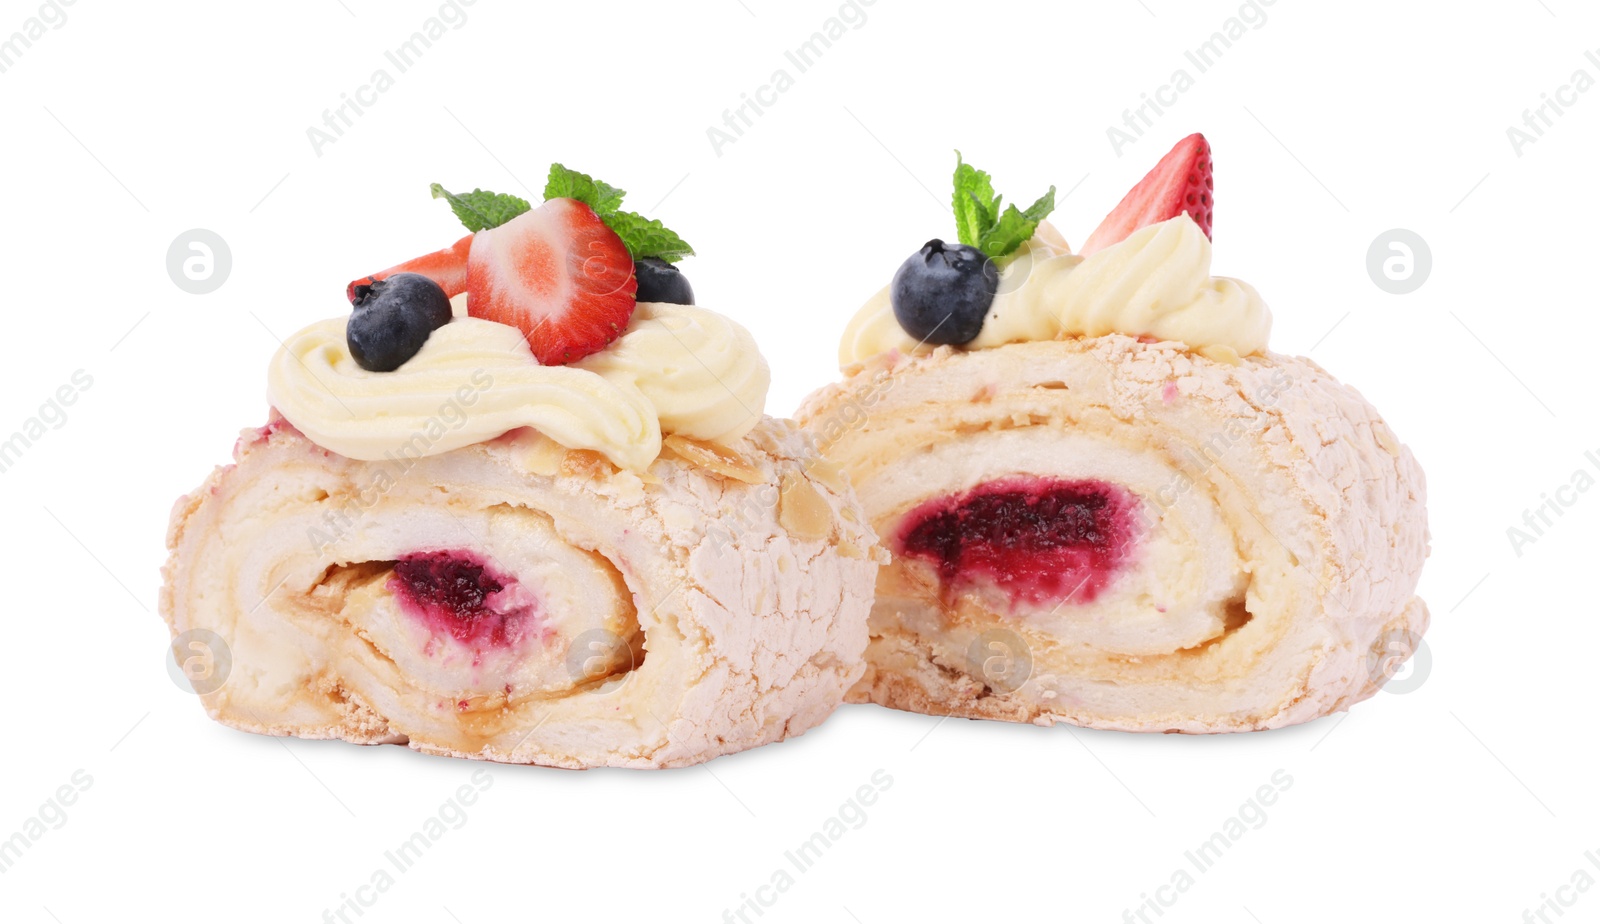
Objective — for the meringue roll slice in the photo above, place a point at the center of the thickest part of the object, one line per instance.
(1115, 508)
(520, 602)
(1120, 534)
(542, 522)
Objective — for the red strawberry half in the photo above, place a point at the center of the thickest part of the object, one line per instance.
(1180, 183)
(447, 267)
(559, 275)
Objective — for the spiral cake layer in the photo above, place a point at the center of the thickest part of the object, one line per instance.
(518, 601)
(1120, 533)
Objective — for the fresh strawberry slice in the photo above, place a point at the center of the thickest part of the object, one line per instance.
(559, 275)
(447, 267)
(1180, 183)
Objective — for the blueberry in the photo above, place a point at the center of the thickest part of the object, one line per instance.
(392, 319)
(941, 293)
(660, 281)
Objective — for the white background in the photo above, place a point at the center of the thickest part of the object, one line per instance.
(1464, 800)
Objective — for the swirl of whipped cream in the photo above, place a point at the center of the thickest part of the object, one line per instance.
(703, 373)
(1155, 283)
(474, 380)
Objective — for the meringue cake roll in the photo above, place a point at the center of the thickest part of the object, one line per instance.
(523, 503)
(517, 601)
(1107, 502)
(1125, 535)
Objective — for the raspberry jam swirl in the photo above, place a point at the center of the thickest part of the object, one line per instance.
(1041, 540)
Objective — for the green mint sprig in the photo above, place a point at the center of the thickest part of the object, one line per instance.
(481, 209)
(980, 221)
(570, 184)
(644, 237)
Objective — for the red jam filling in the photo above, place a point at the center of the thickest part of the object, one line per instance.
(457, 594)
(1041, 540)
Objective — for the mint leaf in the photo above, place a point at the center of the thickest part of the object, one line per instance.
(1007, 234)
(979, 221)
(976, 205)
(570, 184)
(645, 237)
(1014, 227)
(642, 236)
(1041, 207)
(481, 209)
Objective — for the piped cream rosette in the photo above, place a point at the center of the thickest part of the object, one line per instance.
(1119, 531)
(616, 563)
(676, 369)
